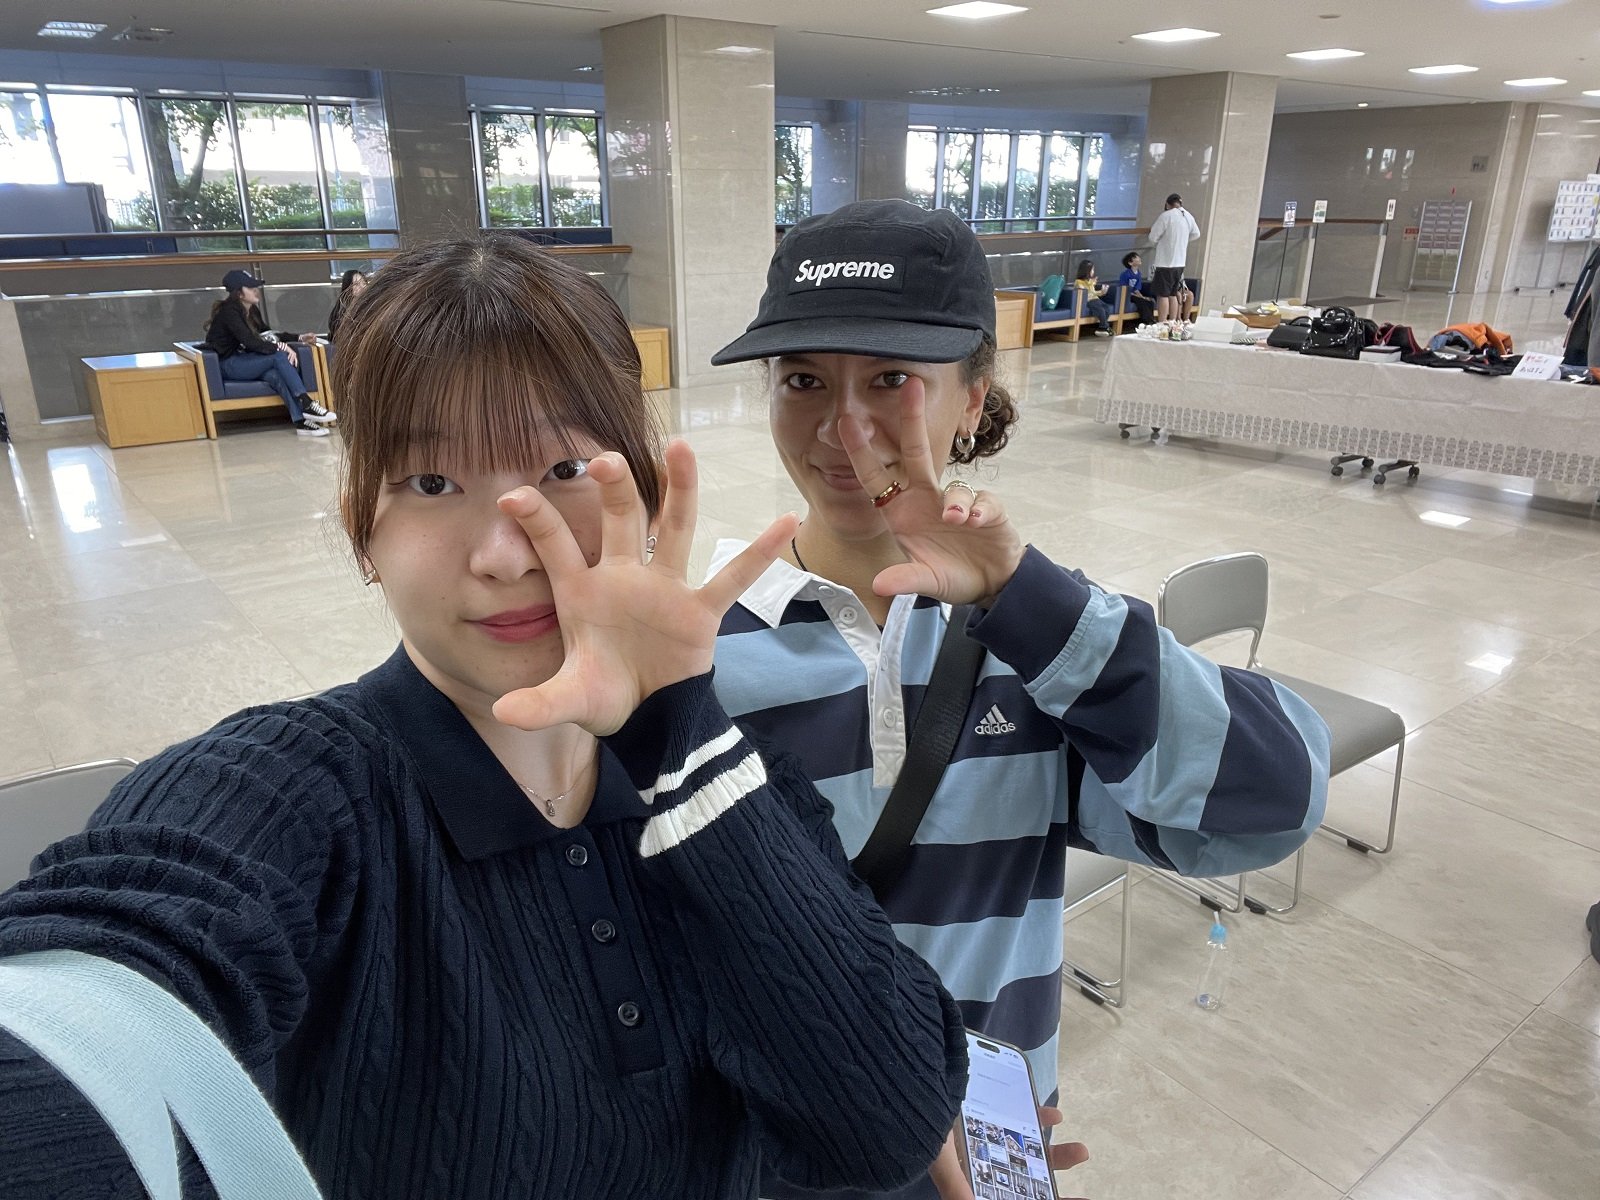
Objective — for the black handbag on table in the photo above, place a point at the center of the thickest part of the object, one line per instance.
(1338, 333)
(1289, 335)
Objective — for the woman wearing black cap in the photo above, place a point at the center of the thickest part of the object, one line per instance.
(1088, 725)
(236, 332)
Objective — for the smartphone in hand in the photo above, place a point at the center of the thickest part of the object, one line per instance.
(999, 1141)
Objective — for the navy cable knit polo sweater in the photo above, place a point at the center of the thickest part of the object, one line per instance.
(445, 996)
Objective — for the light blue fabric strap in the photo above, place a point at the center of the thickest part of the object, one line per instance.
(137, 1053)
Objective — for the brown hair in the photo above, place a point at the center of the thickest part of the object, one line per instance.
(999, 409)
(485, 350)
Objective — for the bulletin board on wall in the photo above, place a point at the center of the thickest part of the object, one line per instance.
(1574, 222)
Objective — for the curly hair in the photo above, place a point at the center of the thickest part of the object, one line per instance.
(999, 409)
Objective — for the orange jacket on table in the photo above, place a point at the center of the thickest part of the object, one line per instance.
(1481, 335)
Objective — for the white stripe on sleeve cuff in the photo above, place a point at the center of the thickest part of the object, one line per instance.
(677, 825)
(672, 780)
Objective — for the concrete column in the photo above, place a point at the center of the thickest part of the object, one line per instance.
(881, 150)
(1207, 139)
(689, 117)
(859, 153)
(430, 142)
(835, 147)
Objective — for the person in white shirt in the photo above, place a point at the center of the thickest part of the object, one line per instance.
(1171, 234)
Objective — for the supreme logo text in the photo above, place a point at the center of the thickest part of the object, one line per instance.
(883, 274)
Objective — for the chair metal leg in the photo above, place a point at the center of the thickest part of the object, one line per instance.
(1366, 847)
(1109, 992)
(1208, 900)
(1262, 908)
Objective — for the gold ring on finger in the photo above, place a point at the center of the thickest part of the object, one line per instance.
(888, 494)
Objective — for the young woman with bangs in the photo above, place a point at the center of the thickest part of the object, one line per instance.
(519, 912)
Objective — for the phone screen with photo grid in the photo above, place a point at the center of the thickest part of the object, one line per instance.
(1001, 1142)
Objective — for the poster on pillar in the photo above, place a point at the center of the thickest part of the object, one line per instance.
(1319, 212)
(1388, 209)
(1289, 207)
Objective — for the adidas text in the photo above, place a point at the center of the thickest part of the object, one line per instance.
(817, 274)
(994, 722)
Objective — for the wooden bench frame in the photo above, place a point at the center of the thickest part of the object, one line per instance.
(209, 407)
(1018, 319)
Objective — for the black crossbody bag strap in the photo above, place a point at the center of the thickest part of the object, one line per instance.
(933, 740)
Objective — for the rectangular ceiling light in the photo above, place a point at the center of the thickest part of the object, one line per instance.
(1445, 69)
(70, 29)
(1324, 55)
(1184, 34)
(1596, 92)
(1536, 81)
(978, 10)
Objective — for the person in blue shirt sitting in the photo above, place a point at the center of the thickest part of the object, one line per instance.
(1132, 278)
(519, 913)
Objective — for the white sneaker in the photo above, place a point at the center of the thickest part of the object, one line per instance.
(1102, 333)
(310, 410)
(309, 428)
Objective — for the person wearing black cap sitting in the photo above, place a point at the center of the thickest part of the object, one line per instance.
(247, 352)
(1079, 720)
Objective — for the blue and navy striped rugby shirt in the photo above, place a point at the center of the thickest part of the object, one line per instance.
(1089, 726)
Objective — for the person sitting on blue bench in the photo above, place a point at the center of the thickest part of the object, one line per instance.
(1132, 278)
(1094, 304)
(245, 352)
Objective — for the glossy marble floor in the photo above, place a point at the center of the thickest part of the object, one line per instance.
(1425, 1025)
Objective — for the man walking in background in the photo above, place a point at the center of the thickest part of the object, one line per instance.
(1174, 229)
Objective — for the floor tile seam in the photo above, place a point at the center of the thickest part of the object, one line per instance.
(1498, 985)
(1495, 812)
(1223, 1113)
(1568, 1021)
(1437, 1106)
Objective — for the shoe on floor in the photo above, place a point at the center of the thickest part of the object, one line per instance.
(1593, 922)
(310, 410)
(309, 428)
(1102, 333)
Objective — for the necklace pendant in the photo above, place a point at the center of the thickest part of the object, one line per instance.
(550, 809)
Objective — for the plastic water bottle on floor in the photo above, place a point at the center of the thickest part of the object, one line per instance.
(1214, 970)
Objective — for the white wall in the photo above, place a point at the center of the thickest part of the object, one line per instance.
(1338, 156)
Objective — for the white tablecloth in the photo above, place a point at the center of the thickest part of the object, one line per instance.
(1534, 428)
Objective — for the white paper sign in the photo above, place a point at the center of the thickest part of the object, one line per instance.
(1288, 213)
(1538, 366)
(1388, 211)
(1319, 212)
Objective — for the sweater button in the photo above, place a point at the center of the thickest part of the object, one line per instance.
(577, 855)
(604, 931)
(628, 1013)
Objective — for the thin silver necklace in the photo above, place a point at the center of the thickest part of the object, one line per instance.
(550, 802)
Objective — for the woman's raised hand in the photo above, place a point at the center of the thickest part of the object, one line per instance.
(961, 545)
(630, 624)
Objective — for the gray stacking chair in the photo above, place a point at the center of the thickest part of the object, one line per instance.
(1090, 875)
(1228, 594)
(38, 810)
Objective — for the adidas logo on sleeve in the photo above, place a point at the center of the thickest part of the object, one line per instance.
(994, 722)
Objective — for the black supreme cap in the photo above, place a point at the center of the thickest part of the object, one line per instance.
(879, 277)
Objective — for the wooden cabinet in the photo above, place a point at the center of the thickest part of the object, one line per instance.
(655, 355)
(1013, 319)
(141, 399)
